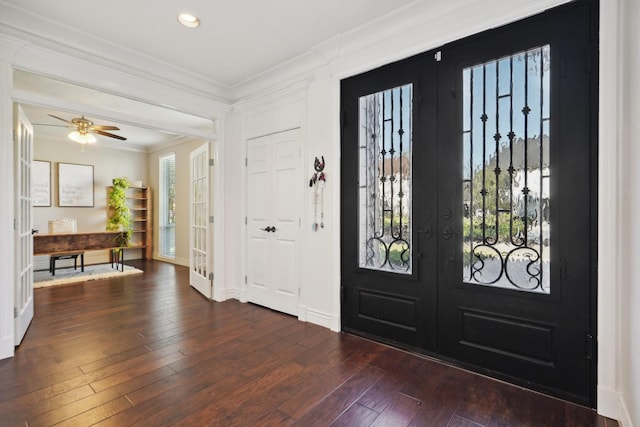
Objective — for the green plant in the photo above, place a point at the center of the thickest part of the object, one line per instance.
(119, 213)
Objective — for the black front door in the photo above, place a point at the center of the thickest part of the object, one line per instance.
(388, 245)
(468, 202)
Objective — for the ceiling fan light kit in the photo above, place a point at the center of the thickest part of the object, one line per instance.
(82, 138)
(83, 130)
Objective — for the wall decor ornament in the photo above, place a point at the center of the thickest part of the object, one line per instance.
(317, 182)
(75, 185)
(40, 183)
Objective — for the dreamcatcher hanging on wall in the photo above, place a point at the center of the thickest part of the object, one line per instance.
(317, 182)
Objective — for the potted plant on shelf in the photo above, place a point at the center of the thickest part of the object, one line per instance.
(119, 213)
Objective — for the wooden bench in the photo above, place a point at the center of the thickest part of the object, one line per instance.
(57, 256)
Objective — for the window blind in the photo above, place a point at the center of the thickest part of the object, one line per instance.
(167, 206)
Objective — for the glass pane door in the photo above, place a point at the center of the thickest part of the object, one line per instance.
(506, 174)
(385, 180)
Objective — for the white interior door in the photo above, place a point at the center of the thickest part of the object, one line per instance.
(273, 221)
(24, 239)
(200, 275)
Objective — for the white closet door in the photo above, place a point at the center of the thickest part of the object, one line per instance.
(24, 225)
(273, 221)
(199, 259)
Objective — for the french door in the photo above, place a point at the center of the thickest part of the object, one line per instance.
(23, 297)
(200, 276)
(468, 203)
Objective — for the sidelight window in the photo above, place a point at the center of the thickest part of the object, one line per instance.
(385, 139)
(506, 174)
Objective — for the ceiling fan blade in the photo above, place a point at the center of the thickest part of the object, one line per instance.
(98, 127)
(47, 124)
(111, 135)
(60, 118)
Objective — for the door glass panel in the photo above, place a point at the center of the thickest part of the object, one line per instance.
(385, 139)
(505, 185)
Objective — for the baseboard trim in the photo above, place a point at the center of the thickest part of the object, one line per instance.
(7, 347)
(624, 417)
(318, 317)
(219, 295)
(233, 293)
(177, 261)
(608, 402)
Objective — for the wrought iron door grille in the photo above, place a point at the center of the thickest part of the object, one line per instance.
(505, 183)
(385, 139)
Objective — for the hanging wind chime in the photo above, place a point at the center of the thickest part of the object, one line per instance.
(317, 182)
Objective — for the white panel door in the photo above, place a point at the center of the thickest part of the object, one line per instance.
(199, 258)
(24, 225)
(273, 221)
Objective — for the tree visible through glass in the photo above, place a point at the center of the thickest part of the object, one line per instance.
(505, 185)
(385, 140)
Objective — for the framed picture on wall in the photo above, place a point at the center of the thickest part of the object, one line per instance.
(75, 185)
(41, 183)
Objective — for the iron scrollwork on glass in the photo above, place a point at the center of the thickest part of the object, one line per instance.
(385, 139)
(506, 174)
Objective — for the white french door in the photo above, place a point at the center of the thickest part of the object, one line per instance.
(200, 275)
(273, 221)
(23, 156)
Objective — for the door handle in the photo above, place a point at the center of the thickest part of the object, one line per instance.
(34, 230)
(269, 229)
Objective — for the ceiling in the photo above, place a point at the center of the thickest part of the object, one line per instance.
(138, 138)
(237, 41)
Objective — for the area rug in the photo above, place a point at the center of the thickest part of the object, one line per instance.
(65, 276)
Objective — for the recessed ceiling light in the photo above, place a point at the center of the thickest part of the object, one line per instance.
(188, 20)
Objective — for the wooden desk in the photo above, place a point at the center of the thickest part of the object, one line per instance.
(65, 242)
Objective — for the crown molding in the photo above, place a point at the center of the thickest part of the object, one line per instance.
(416, 28)
(66, 40)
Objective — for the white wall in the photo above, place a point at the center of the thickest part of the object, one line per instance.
(629, 369)
(108, 163)
(182, 151)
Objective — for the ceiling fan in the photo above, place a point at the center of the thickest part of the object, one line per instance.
(83, 130)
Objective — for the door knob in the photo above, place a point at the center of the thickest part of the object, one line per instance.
(269, 229)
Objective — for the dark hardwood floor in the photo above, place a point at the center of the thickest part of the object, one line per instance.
(148, 350)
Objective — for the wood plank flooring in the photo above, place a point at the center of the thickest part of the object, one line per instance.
(148, 350)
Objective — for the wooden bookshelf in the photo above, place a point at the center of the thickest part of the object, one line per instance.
(140, 204)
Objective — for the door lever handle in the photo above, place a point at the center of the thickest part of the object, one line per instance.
(269, 229)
